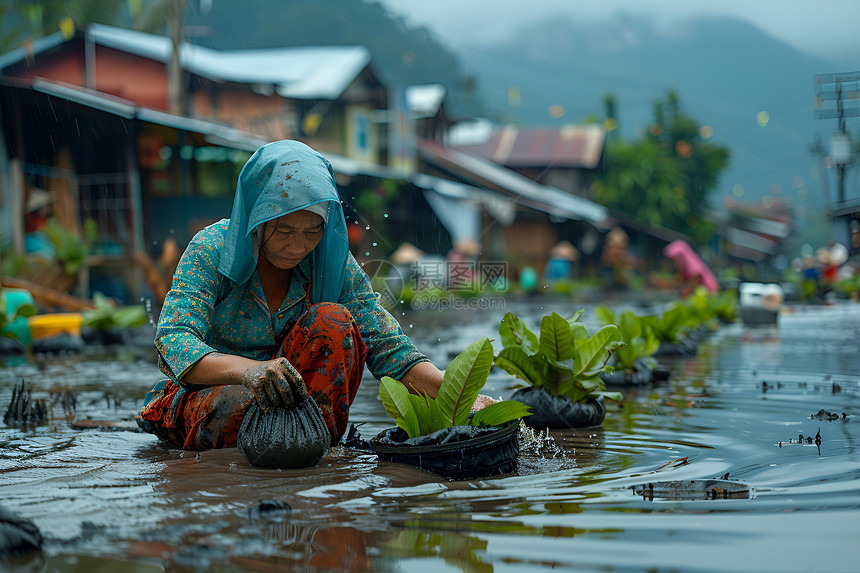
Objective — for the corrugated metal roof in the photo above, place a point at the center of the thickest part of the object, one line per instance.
(213, 132)
(89, 98)
(566, 146)
(313, 72)
(486, 173)
(36, 47)
(425, 100)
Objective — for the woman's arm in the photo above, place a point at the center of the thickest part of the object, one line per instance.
(423, 378)
(272, 382)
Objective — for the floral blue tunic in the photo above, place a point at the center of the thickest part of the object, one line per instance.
(207, 312)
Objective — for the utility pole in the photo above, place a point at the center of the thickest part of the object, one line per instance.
(836, 97)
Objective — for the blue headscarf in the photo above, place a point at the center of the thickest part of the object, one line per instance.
(280, 178)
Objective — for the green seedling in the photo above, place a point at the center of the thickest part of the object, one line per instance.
(639, 342)
(564, 360)
(107, 315)
(420, 415)
(668, 326)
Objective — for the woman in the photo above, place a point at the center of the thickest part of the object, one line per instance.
(270, 305)
(692, 270)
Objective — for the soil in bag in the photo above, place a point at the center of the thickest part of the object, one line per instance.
(459, 452)
(550, 411)
(288, 438)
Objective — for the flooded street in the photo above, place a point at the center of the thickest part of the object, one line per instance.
(617, 498)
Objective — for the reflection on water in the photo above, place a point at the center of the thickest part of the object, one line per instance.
(728, 420)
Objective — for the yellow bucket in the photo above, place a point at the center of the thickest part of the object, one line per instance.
(45, 325)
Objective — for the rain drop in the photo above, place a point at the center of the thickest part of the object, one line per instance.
(386, 215)
(367, 228)
(366, 253)
(374, 244)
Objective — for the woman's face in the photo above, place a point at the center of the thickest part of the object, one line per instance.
(288, 239)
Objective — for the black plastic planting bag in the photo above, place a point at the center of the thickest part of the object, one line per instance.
(17, 535)
(550, 411)
(641, 374)
(682, 348)
(294, 437)
(460, 452)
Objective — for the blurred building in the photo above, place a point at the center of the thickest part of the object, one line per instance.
(87, 118)
(751, 233)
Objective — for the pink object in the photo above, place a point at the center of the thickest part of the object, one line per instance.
(690, 265)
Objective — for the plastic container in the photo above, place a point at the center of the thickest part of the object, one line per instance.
(11, 299)
(759, 303)
(461, 452)
(47, 325)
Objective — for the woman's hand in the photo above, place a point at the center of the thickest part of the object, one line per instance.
(274, 383)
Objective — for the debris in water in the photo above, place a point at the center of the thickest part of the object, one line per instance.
(354, 441)
(801, 439)
(268, 509)
(823, 414)
(694, 489)
(23, 409)
(673, 464)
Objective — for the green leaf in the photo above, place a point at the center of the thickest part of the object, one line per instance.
(579, 332)
(604, 314)
(575, 317)
(591, 354)
(556, 338)
(423, 416)
(500, 413)
(531, 368)
(513, 333)
(26, 311)
(617, 396)
(436, 417)
(463, 380)
(395, 399)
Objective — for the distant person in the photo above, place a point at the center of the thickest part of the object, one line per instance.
(269, 306)
(809, 277)
(462, 265)
(691, 269)
(615, 262)
(562, 256)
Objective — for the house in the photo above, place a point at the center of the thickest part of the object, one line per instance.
(752, 232)
(477, 193)
(324, 95)
(86, 119)
(566, 157)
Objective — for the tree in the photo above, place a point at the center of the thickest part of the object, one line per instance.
(665, 178)
(24, 20)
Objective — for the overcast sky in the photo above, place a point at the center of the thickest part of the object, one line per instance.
(823, 27)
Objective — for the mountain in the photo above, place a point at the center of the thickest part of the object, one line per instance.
(726, 71)
(401, 54)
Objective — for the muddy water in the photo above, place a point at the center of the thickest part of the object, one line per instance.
(120, 500)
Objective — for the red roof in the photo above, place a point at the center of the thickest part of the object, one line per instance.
(567, 146)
